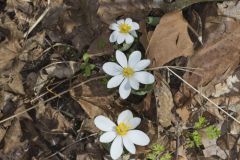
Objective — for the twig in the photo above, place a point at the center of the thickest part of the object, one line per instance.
(62, 149)
(48, 100)
(38, 20)
(189, 85)
(187, 69)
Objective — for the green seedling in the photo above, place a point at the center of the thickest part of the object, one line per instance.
(156, 151)
(86, 67)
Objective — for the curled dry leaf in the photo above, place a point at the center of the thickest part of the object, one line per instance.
(65, 69)
(164, 101)
(170, 40)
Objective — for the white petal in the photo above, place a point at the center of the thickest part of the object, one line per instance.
(104, 123)
(138, 137)
(120, 38)
(135, 26)
(125, 89)
(128, 21)
(129, 145)
(116, 149)
(129, 38)
(112, 68)
(144, 77)
(125, 116)
(133, 33)
(113, 37)
(121, 58)
(115, 81)
(142, 65)
(108, 137)
(121, 21)
(134, 58)
(134, 122)
(134, 83)
(114, 26)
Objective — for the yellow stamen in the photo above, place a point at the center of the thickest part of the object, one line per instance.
(122, 129)
(128, 72)
(124, 28)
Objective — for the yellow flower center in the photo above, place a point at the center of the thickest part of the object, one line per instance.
(122, 129)
(124, 28)
(128, 72)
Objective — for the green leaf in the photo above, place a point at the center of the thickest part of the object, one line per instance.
(153, 21)
(92, 66)
(196, 138)
(213, 132)
(166, 156)
(142, 91)
(201, 122)
(86, 57)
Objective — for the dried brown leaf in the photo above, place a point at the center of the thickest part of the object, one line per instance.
(229, 9)
(218, 58)
(164, 101)
(52, 119)
(94, 98)
(13, 137)
(170, 40)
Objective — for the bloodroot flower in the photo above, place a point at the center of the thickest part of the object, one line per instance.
(123, 30)
(128, 73)
(123, 134)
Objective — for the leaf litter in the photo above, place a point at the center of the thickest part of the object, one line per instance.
(42, 69)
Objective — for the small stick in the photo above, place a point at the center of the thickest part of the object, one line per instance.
(189, 85)
(38, 20)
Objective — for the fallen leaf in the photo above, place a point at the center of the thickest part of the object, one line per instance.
(101, 46)
(52, 119)
(164, 101)
(95, 99)
(62, 69)
(110, 10)
(218, 58)
(13, 136)
(230, 86)
(183, 113)
(169, 40)
(211, 147)
(229, 9)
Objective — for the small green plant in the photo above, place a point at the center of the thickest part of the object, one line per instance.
(194, 140)
(201, 123)
(86, 67)
(166, 156)
(213, 132)
(156, 150)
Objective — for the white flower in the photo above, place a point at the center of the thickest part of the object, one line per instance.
(123, 134)
(129, 73)
(124, 30)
